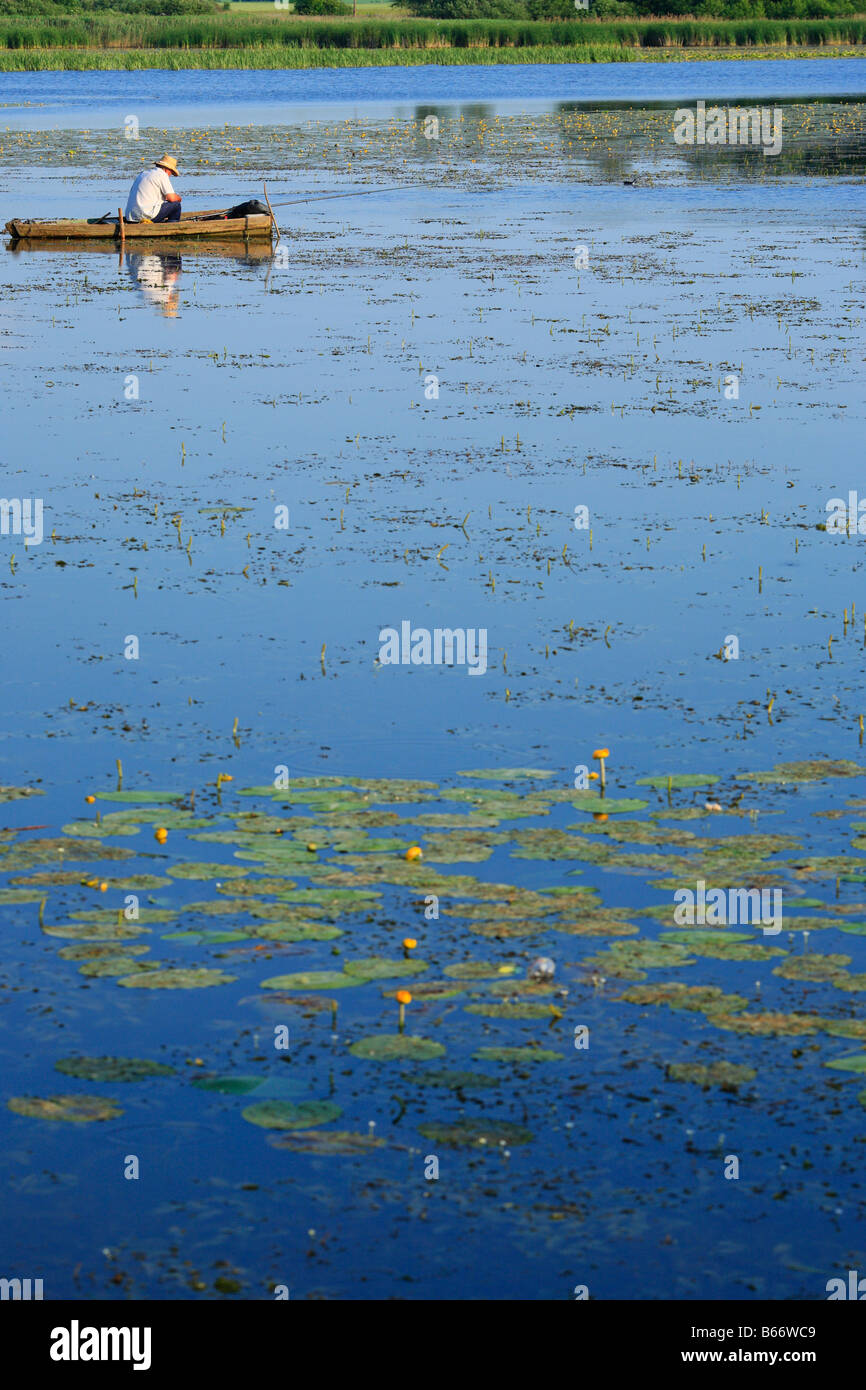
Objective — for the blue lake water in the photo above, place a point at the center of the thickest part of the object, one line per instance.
(547, 308)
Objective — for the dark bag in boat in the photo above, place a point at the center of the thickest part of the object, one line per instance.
(249, 209)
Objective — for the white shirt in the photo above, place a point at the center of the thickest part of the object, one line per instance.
(147, 195)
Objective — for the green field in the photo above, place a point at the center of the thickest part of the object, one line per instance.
(278, 40)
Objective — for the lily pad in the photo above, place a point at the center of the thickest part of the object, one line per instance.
(76, 1109)
(815, 770)
(207, 871)
(311, 979)
(111, 966)
(109, 916)
(594, 804)
(677, 780)
(295, 931)
(16, 793)
(430, 989)
(475, 1134)
(516, 1054)
(139, 796)
(19, 895)
(726, 1075)
(112, 1068)
(327, 1142)
(384, 1047)
(207, 938)
(272, 1087)
(109, 931)
(176, 979)
(478, 970)
(284, 1114)
(768, 1024)
(517, 1009)
(379, 968)
(86, 952)
(856, 1062)
(100, 829)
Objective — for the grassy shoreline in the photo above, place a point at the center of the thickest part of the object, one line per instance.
(277, 57)
(111, 41)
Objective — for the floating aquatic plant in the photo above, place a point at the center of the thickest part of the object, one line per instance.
(75, 1109)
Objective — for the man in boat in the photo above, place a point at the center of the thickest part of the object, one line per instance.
(151, 198)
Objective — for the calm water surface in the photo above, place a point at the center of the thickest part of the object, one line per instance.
(429, 384)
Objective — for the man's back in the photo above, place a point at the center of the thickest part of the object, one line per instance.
(147, 195)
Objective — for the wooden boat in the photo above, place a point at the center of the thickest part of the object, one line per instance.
(237, 249)
(192, 225)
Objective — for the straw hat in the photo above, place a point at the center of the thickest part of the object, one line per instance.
(168, 162)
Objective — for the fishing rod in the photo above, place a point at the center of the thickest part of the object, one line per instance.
(356, 193)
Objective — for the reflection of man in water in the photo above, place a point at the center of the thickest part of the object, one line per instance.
(156, 275)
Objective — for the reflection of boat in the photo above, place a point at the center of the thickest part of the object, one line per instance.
(239, 250)
(206, 224)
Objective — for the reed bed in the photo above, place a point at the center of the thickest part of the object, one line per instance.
(43, 40)
(278, 57)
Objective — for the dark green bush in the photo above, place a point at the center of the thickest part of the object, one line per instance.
(322, 7)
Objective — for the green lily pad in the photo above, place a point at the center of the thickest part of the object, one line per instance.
(307, 1004)
(721, 945)
(845, 1027)
(677, 780)
(452, 1080)
(815, 770)
(768, 1024)
(58, 849)
(693, 998)
(311, 979)
(508, 931)
(99, 829)
(140, 796)
(506, 774)
(272, 1087)
(252, 887)
(384, 1047)
(429, 989)
(327, 1142)
(727, 1075)
(84, 952)
(112, 1068)
(516, 1054)
(295, 931)
(176, 979)
(818, 969)
(856, 1062)
(109, 915)
(16, 793)
(594, 804)
(517, 1009)
(207, 938)
(19, 895)
(207, 871)
(109, 931)
(478, 970)
(76, 1109)
(120, 964)
(284, 1114)
(228, 1085)
(596, 924)
(379, 968)
(475, 1134)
